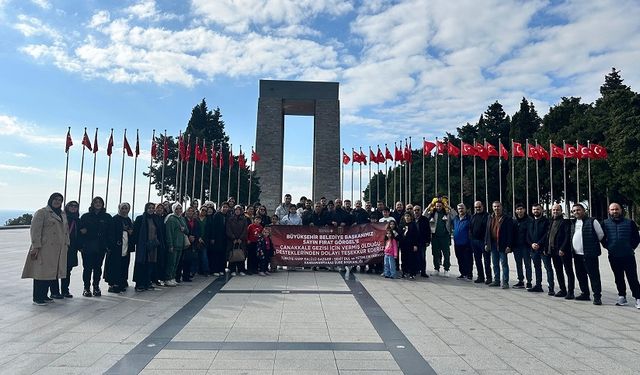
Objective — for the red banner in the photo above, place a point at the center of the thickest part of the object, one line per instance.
(309, 246)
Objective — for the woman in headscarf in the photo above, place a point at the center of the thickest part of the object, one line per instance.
(47, 259)
(73, 217)
(147, 238)
(189, 254)
(236, 230)
(116, 267)
(176, 240)
(157, 273)
(95, 227)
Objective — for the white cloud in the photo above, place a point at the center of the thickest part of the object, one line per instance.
(99, 19)
(31, 26)
(20, 169)
(44, 4)
(147, 10)
(239, 16)
(11, 126)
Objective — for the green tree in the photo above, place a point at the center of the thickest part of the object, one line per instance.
(25, 219)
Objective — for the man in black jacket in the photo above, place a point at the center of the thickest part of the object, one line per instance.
(95, 229)
(586, 234)
(424, 232)
(537, 241)
(621, 238)
(320, 216)
(520, 246)
(560, 252)
(478, 228)
(216, 239)
(498, 239)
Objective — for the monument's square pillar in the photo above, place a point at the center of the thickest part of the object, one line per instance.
(317, 99)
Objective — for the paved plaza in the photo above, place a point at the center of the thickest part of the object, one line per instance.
(304, 322)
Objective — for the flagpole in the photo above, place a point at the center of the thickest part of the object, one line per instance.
(436, 169)
(395, 147)
(360, 183)
(238, 187)
(370, 185)
(401, 177)
(513, 181)
(500, 169)
(195, 169)
(186, 169)
(251, 175)
(229, 170)
(220, 159)
(122, 168)
(564, 176)
(526, 163)
(448, 172)
(377, 178)
(475, 195)
(178, 167)
(66, 168)
(537, 175)
(81, 168)
(386, 175)
(461, 174)
(106, 195)
(352, 161)
(135, 170)
(164, 163)
(213, 153)
(95, 157)
(550, 174)
(153, 140)
(589, 177)
(410, 161)
(577, 174)
(202, 150)
(424, 159)
(486, 182)
(342, 174)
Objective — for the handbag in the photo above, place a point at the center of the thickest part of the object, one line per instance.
(237, 254)
(187, 243)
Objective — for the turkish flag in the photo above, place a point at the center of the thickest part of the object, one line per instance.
(503, 152)
(584, 152)
(441, 148)
(242, 162)
(468, 150)
(181, 153)
(452, 149)
(137, 145)
(408, 155)
(491, 150)
(86, 142)
(165, 149)
(187, 149)
(230, 158)
(387, 154)
(542, 153)
(557, 151)
(428, 147)
(481, 151)
(518, 152)
(220, 158)
(533, 152)
(254, 156)
(345, 158)
(204, 157)
(598, 151)
(355, 157)
(110, 145)
(214, 157)
(69, 141)
(398, 155)
(126, 146)
(570, 151)
(372, 156)
(154, 148)
(363, 157)
(379, 156)
(95, 142)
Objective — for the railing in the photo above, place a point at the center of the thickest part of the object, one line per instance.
(2, 227)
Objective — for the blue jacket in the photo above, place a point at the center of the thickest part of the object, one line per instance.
(461, 230)
(620, 237)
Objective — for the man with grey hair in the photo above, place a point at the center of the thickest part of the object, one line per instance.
(462, 243)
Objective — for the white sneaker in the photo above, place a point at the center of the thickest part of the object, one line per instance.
(622, 301)
(169, 283)
(446, 273)
(233, 273)
(357, 268)
(242, 274)
(226, 270)
(638, 303)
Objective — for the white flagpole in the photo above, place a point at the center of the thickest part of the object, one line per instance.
(577, 174)
(342, 174)
(486, 182)
(360, 183)
(352, 161)
(424, 159)
(513, 184)
(220, 161)
(386, 175)
(202, 163)
(195, 167)
(500, 169)
(178, 167)
(238, 187)
(106, 195)
(82, 169)
(122, 168)
(436, 169)
(564, 176)
(448, 172)
(135, 171)
(370, 184)
(251, 175)
(461, 174)
(475, 191)
(229, 168)
(153, 140)
(95, 157)
(377, 179)
(401, 177)
(526, 163)
(550, 174)
(538, 175)
(589, 178)
(66, 168)
(213, 155)
(410, 161)
(164, 163)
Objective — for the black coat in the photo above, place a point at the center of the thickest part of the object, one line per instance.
(520, 229)
(562, 240)
(75, 242)
(114, 273)
(424, 230)
(537, 232)
(98, 231)
(505, 232)
(360, 216)
(216, 231)
(410, 236)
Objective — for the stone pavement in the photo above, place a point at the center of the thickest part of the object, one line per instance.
(304, 322)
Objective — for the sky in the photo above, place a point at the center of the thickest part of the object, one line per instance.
(414, 68)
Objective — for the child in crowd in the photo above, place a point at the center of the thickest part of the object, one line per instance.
(253, 231)
(275, 220)
(264, 251)
(390, 254)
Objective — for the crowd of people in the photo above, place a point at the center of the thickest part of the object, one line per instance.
(172, 245)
